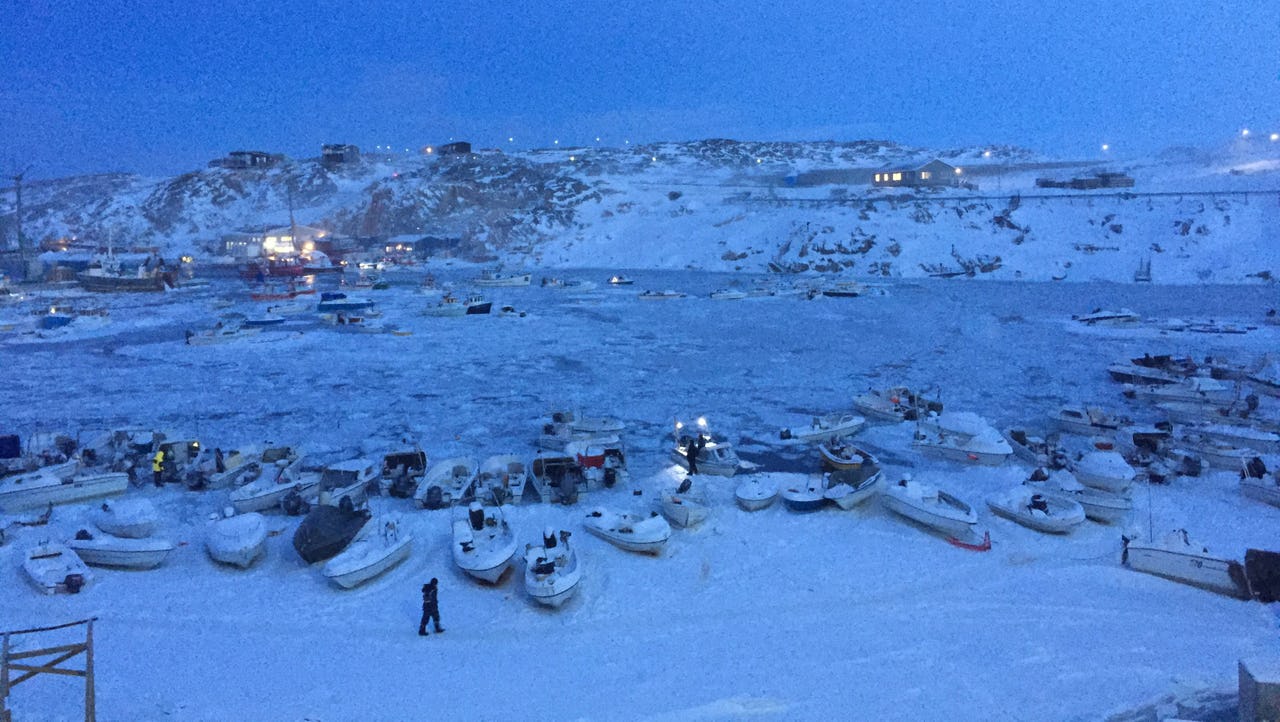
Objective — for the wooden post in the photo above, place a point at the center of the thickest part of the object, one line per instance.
(90, 713)
(4, 679)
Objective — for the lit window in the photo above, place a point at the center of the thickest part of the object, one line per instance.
(877, 177)
(924, 175)
(897, 176)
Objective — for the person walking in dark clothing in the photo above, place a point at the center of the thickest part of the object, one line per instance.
(691, 456)
(430, 608)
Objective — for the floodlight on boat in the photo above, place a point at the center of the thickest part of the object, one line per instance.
(702, 421)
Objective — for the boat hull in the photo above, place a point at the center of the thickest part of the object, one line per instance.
(1264, 490)
(1198, 570)
(752, 495)
(684, 511)
(123, 553)
(56, 569)
(350, 577)
(947, 524)
(13, 497)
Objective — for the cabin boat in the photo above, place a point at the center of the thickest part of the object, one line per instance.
(961, 436)
(1109, 317)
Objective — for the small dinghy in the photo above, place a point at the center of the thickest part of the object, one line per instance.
(633, 532)
(128, 518)
(369, 555)
(327, 530)
(551, 572)
(104, 550)
(55, 569)
(683, 506)
(237, 539)
(1048, 513)
(483, 544)
(931, 507)
(848, 488)
(804, 493)
(756, 492)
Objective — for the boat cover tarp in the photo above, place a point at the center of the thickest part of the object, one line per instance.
(327, 530)
(1263, 571)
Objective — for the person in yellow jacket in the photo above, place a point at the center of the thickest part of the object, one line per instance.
(157, 467)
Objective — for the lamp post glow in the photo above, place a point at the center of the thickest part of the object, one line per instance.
(1275, 137)
(1106, 147)
(1244, 133)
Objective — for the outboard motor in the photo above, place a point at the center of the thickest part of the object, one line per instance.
(475, 513)
(294, 505)
(435, 498)
(73, 583)
(685, 486)
(1039, 475)
(610, 477)
(1254, 469)
(83, 535)
(403, 487)
(549, 538)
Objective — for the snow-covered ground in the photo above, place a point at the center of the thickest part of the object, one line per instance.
(770, 614)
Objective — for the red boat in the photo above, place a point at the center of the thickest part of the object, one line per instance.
(273, 267)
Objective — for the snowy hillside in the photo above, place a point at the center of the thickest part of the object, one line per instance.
(725, 205)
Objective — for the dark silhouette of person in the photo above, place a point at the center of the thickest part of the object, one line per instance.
(430, 608)
(219, 464)
(691, 456)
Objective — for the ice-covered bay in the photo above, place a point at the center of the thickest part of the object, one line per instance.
(771, 614)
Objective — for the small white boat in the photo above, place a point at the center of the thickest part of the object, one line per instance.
(552, 572)
(1100, 506)
(128, 518)
(1086, 420)
(842, 455)
(1174, 556)
(1035, 450)
(848, 488)
(272, 486)
(502, 478)
(728, 294)
(1195, 389)
(38, 489)
(237, 539)
(1245, 437)
(453, 477)
(961, 436)
(1107, 317)
(448, 305)
(370, 554)
(683, 506)
(55, 569)
(894, 404)
(756, 492)
(717, 458)
(805, 493)
(1218, 455)
(619, 280)
(830, 426)
(230, 328)
(1105, 470)
(104, 550)
(1033, 509)
(496, 278)
(632, 532)
(348, 480)
(931, 507)
(1127, 372)
(483, 544)
(569, 286)
(668, 295)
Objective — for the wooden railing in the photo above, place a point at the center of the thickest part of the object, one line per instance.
(11, 662)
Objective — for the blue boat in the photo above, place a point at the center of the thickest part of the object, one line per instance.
(805, 495)
(336, 301)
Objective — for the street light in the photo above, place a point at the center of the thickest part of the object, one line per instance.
(1244, 133)
(1106, 147)
(1275, 137)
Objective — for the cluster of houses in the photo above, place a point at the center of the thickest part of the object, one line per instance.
(332, 155)
(1101, 179)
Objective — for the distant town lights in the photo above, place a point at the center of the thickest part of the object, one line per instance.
(986, 154)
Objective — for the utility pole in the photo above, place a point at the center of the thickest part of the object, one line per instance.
(22, 243)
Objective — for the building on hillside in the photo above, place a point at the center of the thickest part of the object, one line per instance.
(332, 154)
(935, 173)
(242, 244)
(246, 159)
(1100, 179)
(461, 147)
(288, 240)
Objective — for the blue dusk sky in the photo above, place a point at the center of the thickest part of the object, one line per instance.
(162, 87)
